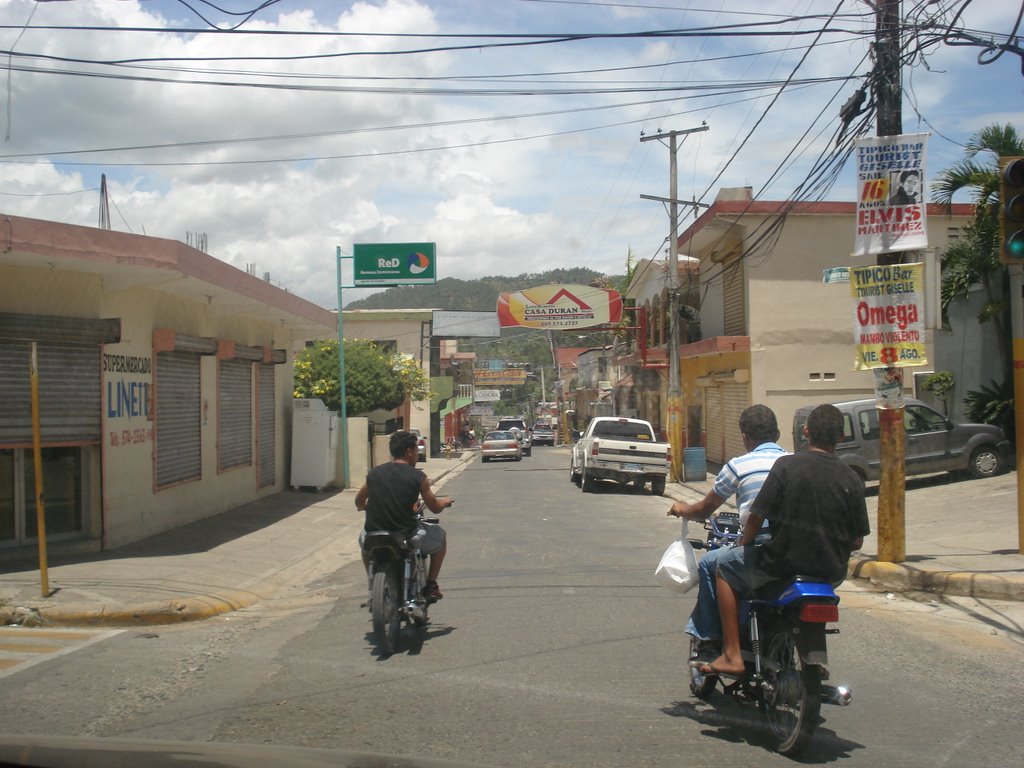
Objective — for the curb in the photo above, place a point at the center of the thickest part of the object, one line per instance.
(899, 577)
(195, 608)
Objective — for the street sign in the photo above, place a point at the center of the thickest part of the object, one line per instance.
(377, 264)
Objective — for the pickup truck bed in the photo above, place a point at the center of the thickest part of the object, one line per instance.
(620, 449)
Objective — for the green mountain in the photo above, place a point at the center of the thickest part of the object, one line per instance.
(479, 295)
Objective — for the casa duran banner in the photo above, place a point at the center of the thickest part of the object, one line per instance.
(558, 307)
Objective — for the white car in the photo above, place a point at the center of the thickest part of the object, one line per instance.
(422, 443)
(501, 445)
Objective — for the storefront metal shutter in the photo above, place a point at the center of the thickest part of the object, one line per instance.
(713, 424)
(267, 434)
(734, 299)
(234, 416)
(178, 418)
(734, 401)
(69, 393)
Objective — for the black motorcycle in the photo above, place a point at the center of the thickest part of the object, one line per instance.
(397, 576)
(783, 644)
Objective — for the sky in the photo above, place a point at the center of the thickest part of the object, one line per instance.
(508, 132)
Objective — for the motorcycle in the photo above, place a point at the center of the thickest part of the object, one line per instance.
(782, 633)
(397, 576)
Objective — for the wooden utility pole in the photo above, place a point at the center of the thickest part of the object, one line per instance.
(888, 89)
(675, 395)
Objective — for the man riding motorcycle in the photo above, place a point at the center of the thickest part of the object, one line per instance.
(389, 498)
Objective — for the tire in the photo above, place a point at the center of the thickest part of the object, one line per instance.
(574, 476)
(986, 461)
(385, 603)
(701, 685)
(588, 483)
(791, 698)
(421, 582)
(658, 486)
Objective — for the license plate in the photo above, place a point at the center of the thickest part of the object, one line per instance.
(631, 468)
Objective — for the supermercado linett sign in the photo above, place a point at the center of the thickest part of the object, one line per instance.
(559, 307)
(888, 316)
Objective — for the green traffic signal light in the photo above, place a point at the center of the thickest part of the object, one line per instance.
(1011, 210)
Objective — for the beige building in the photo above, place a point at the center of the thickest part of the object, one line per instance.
(406, 332)
(759, 324)
(165, 387)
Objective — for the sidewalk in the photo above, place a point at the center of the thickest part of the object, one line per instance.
(961, 537)
(961, 540)
(203, 569)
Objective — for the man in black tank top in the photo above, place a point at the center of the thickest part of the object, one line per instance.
(389, 497)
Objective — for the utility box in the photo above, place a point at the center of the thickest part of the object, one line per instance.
(314, 444)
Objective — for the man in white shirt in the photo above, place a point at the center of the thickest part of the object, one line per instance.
(743, 475)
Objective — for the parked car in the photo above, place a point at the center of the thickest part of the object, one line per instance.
(934, 443)
(543, 434)
(422, 443)
(620, 449)
(501, 444)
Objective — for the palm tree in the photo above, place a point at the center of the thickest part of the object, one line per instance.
(974, 259)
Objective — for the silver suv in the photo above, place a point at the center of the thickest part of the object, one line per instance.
(521, 430)
(934, 443)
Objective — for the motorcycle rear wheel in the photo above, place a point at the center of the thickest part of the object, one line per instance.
(385, 604)
(791, 698)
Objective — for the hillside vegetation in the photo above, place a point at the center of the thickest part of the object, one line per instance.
(479, 295)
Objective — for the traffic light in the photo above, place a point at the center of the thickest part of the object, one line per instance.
(1011, 210)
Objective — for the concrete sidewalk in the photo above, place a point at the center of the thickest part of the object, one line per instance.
(961, 537)
(209, 567)
(961, 540)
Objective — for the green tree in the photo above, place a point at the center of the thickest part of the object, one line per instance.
(373, 378)
(974, 259)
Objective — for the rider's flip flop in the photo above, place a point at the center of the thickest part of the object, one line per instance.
(699, 665)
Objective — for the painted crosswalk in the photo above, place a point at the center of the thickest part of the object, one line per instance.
(22, 647)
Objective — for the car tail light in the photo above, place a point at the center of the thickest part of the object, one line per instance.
(819, 613)
(595, 448)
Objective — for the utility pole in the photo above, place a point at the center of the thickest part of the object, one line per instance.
(675, 399)
(887, 85)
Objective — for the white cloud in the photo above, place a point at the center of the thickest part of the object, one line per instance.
(519, 195)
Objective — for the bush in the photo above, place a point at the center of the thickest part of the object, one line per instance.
(992, 404)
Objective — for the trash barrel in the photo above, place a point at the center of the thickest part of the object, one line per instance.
(695, 464)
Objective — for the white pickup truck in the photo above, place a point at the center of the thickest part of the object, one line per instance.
(623, 450)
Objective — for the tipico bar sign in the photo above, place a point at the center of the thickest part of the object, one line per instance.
(888, 316)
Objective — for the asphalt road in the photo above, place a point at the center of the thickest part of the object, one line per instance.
(552, 647)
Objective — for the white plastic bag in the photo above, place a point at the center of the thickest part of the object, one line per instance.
(677, 570)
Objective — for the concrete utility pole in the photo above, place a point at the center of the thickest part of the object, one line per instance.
(675, 398)
(888, 88)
